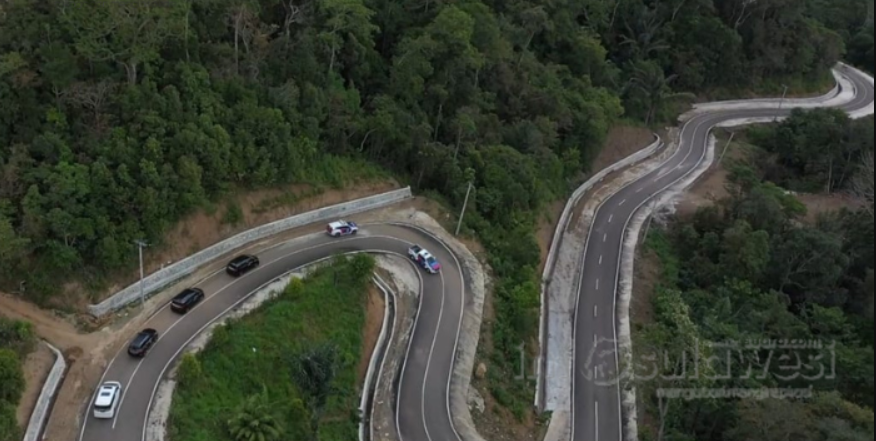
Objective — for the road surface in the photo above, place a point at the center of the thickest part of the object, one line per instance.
(423, 412)
(596, 404)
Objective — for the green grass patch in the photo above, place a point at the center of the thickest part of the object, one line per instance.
(259, 354)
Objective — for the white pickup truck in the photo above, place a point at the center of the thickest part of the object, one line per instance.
(425, 259)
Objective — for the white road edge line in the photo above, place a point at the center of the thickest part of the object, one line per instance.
(578, 299)
(404, 367)
(596, 411)
(623, 240)
(461, 314)
(429, 360)
(222, 314)
(125, 390)
(183, 316)
(153, 316)
(587, 243)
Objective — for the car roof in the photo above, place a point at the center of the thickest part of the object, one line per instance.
(241, 259)
(426, 254)
(107, 393)
(339, 224)
(185, 294)
(142, 336)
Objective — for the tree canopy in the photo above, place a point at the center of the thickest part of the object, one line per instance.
(121, 117)
(752, 269)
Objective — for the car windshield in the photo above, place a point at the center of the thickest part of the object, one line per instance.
(141, 339)
(432, 261)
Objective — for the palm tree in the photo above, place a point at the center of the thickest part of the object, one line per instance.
(314, 371)
(652, 82)
(254, 422)
(642, 35)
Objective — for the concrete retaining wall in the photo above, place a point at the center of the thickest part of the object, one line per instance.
(166, 276)
(842, 92)
(550, 263)
(375, 367)
(42, 409)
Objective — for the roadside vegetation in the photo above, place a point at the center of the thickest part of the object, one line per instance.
(121, 117)
(17, 340)
(751, 269)
(287, 370)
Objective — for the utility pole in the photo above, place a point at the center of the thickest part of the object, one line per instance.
(140, 245)
(782, 102)
(464, 205)
(729, 141)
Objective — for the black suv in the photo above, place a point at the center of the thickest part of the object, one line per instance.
(242, 265)
(186, 300)
(143, 342)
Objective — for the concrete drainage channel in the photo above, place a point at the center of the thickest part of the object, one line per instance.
(42, 409)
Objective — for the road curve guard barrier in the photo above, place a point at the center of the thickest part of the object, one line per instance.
(42, 409)
(170, 274)
(375, 367)
(562, 224)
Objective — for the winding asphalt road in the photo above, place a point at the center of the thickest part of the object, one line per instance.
(596, 403)
(423, 411)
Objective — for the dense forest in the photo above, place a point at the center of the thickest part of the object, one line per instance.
(751, 269)
(119, 117)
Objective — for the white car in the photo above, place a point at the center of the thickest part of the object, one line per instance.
(341, 228)
(107, 400)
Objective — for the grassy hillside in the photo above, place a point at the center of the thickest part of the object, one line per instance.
(250, 366)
